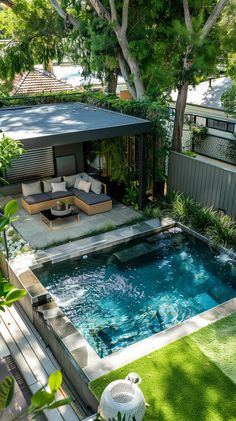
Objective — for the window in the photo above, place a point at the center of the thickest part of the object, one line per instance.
(220, 125)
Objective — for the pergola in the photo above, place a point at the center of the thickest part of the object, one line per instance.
(67, 123)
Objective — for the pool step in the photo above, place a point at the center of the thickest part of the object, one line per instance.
(131, 253)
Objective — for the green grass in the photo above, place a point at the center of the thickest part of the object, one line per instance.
(180, 382)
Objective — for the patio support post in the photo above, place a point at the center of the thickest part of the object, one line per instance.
(142, 170)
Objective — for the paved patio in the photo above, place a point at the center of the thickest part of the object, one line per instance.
(38, 234)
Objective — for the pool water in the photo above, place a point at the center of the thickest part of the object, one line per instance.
(119, 296)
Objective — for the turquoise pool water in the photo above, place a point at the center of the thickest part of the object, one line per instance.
(119, 296)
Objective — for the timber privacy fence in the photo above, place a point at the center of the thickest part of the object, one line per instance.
(207, 184)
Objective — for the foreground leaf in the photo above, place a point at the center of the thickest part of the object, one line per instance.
(10, 208)
(55, 381)
(62, 402)
(6, 391)
(14, 295)
(41, 399)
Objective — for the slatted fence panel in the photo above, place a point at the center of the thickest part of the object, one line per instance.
(36, 163)
(206, 183)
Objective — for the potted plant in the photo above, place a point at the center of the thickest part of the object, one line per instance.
(62, 205)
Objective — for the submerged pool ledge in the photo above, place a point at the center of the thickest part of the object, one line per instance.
(101, 241)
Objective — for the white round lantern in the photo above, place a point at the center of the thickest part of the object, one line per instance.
(124, 397)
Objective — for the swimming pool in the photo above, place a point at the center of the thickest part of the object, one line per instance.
(119, 296)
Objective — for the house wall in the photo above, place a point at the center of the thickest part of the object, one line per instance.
(204, 182)
(218, 144)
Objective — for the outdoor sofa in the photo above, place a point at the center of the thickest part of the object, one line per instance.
(81, 190)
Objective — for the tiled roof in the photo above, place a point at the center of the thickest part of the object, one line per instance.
(37, 82)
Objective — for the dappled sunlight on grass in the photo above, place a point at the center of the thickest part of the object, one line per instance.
(179, 383)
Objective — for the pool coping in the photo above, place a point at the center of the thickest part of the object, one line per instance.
(67, 341)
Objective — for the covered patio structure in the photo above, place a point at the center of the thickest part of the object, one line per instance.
(53, 136)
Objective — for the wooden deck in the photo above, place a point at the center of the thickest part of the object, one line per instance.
(35, 362)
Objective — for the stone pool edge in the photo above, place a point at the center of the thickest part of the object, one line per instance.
(69, 347)
(79, 361)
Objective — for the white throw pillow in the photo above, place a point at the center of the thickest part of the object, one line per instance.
(59, 187)
(77, 181)
(47, 186)
(31, 188)
(96, 185)
(84, 185)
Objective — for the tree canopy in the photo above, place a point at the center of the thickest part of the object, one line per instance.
(33, 33)
(156, 45)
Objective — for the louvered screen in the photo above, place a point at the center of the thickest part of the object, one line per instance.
(36, 163)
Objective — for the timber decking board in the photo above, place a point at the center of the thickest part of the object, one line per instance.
(32, 361)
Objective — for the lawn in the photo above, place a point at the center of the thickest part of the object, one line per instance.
(186, 380)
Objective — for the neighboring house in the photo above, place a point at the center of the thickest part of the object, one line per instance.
(38, 82)
(204, 109)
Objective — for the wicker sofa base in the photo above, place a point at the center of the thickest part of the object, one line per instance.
(72, 200)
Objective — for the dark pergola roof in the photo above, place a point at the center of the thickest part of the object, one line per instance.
(59, 124)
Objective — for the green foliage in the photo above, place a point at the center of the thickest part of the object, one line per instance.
(55, 381)
(151, 211)
(223, 230)
(131, 196)
(6, 392)
(8, 293)
(7, 215)
(40, 401)
(115, 155)
(201, 218)
(37, 37)
(10, 149)
(220, 228)
(190, 153)
(228, 100)
(198, 134)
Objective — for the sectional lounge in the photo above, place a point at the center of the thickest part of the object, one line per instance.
(85, 192)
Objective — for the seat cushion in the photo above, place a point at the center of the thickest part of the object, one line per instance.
(59, 194)
(36, 198)
(90, 198)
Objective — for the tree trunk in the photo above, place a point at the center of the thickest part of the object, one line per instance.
(112, 80)
(179, 117)
(49, 67)
(132, 64)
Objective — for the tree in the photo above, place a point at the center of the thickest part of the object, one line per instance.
(34, 34)
(197, 38)
(128, 63)
(180, 42)
(228, 39)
